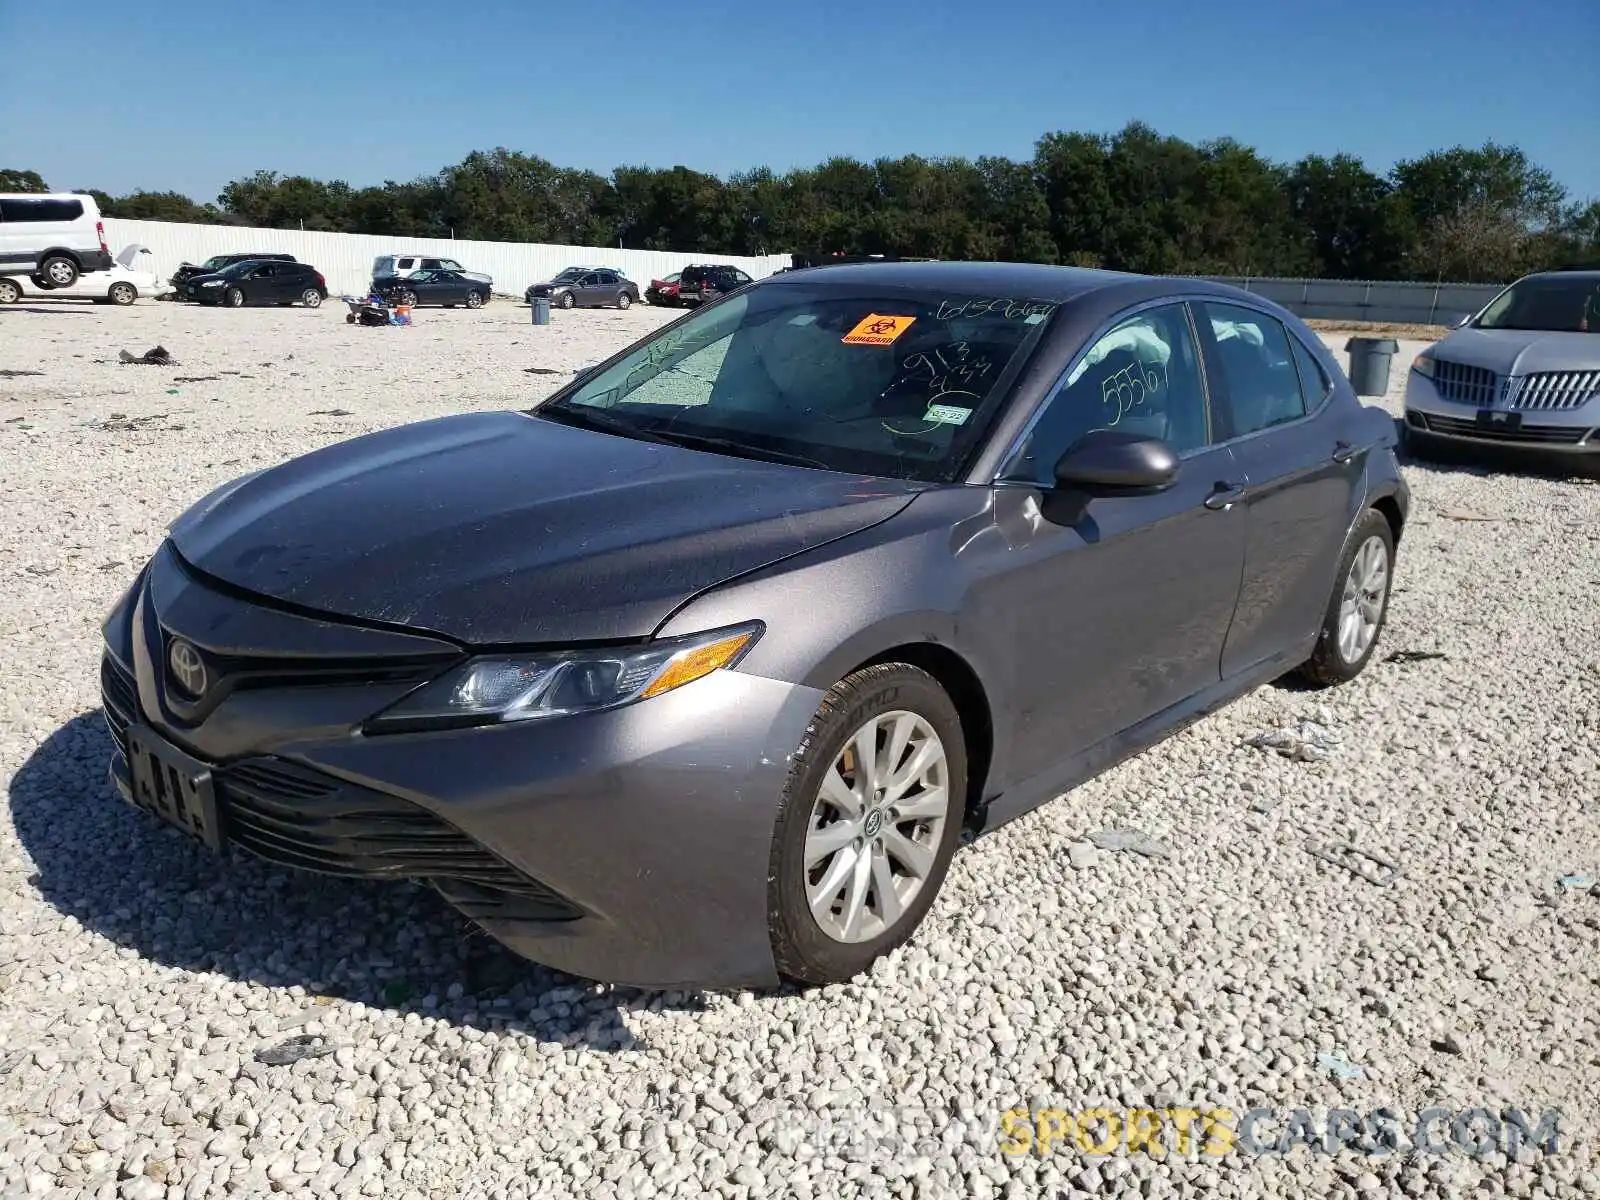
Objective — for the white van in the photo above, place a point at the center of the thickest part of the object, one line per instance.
(51, 238)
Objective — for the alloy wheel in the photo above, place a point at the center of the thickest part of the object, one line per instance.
(1361, 605)
(876, 826)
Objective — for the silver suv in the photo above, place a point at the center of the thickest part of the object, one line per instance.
(402, 265)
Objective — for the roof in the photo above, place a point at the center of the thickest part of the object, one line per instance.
(1033, 281)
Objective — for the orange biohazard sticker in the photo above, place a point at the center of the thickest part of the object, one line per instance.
(874, 330)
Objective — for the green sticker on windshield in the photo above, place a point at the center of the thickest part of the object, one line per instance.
(946, 414)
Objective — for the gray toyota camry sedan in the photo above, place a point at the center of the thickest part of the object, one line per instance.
(695, 674)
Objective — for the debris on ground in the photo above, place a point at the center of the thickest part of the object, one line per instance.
(295, 1049)
(1114, 841)
(1265, 804)
(330, 412)
(1340, 1066)
(1448, 1043)
(1577, 883)
(122, 423)
(156, 356)
(1082, 856)
(9, 373)
(1411, 656)
(1363, 864)
(1467, 516)
(195, 378)
(543, 371)
(1305, 742)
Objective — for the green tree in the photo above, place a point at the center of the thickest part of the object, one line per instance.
(21, 181)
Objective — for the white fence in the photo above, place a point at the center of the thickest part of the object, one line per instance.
(345, 259)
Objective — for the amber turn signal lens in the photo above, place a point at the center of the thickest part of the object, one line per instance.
(698, 662)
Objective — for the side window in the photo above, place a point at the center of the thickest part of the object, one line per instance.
(449, 264)
(40, 210)
(431, 264)
(1143, 376)
(1314, 383)
(609, 278)
(406, 264)
(589, 281)
(1258, 367)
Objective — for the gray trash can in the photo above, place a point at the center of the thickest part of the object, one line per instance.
(1369, 364)
(541, 310)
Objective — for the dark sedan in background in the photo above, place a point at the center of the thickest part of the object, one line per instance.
(694, 674)
(577, 288)
(257, 282)
(448, 288)
(187, 271)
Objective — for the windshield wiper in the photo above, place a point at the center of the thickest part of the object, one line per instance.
(702, 441)
(586, 417)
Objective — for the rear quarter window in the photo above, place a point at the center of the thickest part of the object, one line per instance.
(39, 210)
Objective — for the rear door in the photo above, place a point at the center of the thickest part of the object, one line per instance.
(1302, 477)
(589, 290)
(450, 287)
(610, 288)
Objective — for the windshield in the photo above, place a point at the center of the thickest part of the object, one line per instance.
(1556, 305)
(570, 274)
(890, 383)
(215, 263)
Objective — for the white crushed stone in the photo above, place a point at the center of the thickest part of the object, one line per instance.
(139, 976)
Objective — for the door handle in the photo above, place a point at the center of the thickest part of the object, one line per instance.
(1225, 497)
(1343, 452)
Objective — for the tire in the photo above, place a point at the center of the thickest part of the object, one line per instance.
(1341, 654)
(234, 298)
(349, 318)
(893, 694)
(122, 293)
(311, 298)
(59, 270)
(40, 282)
(407, 297)
(474, 299)
(624, 300)
(568, 300)
(10, 291)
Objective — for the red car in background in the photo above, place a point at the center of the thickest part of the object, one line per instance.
(663, 291)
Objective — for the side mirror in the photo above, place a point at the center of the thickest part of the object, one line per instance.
(1111, 462)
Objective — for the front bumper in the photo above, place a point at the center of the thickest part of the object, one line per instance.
(1551, 431)
(629, 846)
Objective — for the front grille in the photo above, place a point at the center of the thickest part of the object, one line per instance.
(1465, 385)
(298, 817)
(1553, 435)
(1552, 390)
(119, 699)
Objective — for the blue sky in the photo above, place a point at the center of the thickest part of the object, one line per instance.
(187, 95)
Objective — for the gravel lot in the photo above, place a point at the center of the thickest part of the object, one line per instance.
(139, 975)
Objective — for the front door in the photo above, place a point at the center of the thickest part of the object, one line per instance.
(1120, 608)
(1302, 479)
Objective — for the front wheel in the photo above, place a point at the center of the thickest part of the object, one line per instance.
(624, 300)
(867, 824)
(407, 298)
(235, 298)
(568, 300)
(474, 299)
(122, 293)
(1359, 606)
(311, 298)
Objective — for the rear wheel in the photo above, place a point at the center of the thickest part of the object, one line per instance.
(474, 299)
(235, 298)
(1359, 606)
(122, 293)
(867, 825)
(407, 297)
(59, 270)
(10, 291)
(568, 300)
(311, 298)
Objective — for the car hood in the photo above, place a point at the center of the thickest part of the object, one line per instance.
(204, 276)
(502, 528)
(1520, 351)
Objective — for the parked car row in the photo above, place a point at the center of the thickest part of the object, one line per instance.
(279, 280)
(586, 287)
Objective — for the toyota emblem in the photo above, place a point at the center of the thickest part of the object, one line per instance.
(187, 667)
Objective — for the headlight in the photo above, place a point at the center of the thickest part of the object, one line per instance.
(1422, 364)
(524, 687)
(212, 283)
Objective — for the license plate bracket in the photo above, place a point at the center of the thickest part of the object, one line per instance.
(1490, 418)
(169, 784)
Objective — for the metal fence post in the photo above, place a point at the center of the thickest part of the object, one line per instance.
(1433, 305)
